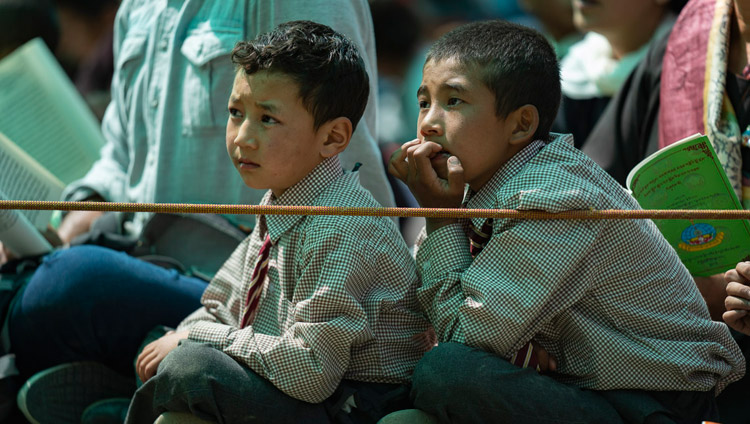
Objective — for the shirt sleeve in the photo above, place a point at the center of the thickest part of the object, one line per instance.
(501, 299)
(108, 176)
(222, 298)
(308, 360)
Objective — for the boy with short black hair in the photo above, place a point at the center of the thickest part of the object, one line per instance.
(313, 317)
(608, 299)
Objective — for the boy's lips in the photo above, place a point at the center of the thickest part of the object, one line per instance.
(247, 164)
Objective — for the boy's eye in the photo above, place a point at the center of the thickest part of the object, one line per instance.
(235, 113)
(424, 104)
(453, 101)
(267, 119)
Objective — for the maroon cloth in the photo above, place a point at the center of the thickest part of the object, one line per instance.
(256, 285)
(684, 72)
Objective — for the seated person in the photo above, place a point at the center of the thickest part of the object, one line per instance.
(618, 35)
(325, 321)
(608, 299)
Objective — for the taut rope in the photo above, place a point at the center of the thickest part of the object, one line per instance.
(689, 214)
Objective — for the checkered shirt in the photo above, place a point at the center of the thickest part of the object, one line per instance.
(338, 302)
(609, 299)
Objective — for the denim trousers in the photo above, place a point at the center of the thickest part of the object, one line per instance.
(93, 303)
(461, 384)
(197, 378)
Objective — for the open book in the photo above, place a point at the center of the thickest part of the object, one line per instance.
(48, 138)
(688, 175)
(24, 179)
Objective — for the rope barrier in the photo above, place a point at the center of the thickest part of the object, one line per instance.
(688, 214)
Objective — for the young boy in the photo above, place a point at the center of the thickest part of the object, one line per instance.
(608, 299)
(312, 317)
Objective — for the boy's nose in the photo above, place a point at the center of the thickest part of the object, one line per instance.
(430, 125)
(245, 136)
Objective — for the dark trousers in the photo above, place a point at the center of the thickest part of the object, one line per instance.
(461, 384)
(197, 378)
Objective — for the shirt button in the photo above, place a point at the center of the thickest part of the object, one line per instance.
(163, 44)
(154, 102)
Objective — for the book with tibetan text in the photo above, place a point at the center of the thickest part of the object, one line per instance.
(688, 175)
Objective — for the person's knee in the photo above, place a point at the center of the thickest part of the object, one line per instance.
(63, 279)
(192, 364)
(439, 373)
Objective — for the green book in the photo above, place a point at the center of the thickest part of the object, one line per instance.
(688, 175)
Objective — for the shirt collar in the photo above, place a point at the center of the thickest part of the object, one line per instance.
(486, 197)
(303, 193)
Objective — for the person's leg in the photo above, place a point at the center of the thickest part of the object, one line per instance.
(89, 303)
(208, 383)
(460, 384)
(664, 407)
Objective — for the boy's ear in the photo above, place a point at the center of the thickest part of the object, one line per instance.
(525, 121)
(336, 134)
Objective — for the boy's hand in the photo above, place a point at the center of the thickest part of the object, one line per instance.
(152, 355)
(738, 298)
(432, 184)
(397, 165)
(547, 362)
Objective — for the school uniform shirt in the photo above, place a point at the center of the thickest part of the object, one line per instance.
(338, 302)
(166, 124)
(609, 299)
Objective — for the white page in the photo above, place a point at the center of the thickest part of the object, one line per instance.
(21, 178)
(41, 111)
(19, 235)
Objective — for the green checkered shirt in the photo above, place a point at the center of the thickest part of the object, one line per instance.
(609, 299)
(338, 302)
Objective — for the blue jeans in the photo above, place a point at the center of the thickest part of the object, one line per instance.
(94, 303)
(461, 384)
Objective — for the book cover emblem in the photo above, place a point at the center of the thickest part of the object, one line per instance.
(700, 236)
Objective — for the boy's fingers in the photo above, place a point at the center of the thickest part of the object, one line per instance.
(455, 175)
(736, 319)
(144, 361)
(421, 156)
(151, 368)
(743, 272)
(397, 164)
(731, 275)
(739, 291)
(144, 353)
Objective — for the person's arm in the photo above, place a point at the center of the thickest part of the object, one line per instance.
(502, 298)
(107, 178)
(738, 298)
(308, 360)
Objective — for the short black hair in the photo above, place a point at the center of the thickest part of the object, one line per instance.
(515, 62)
(326, 65)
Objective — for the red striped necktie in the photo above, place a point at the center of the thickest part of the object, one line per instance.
(256, 284)
(525, 357)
